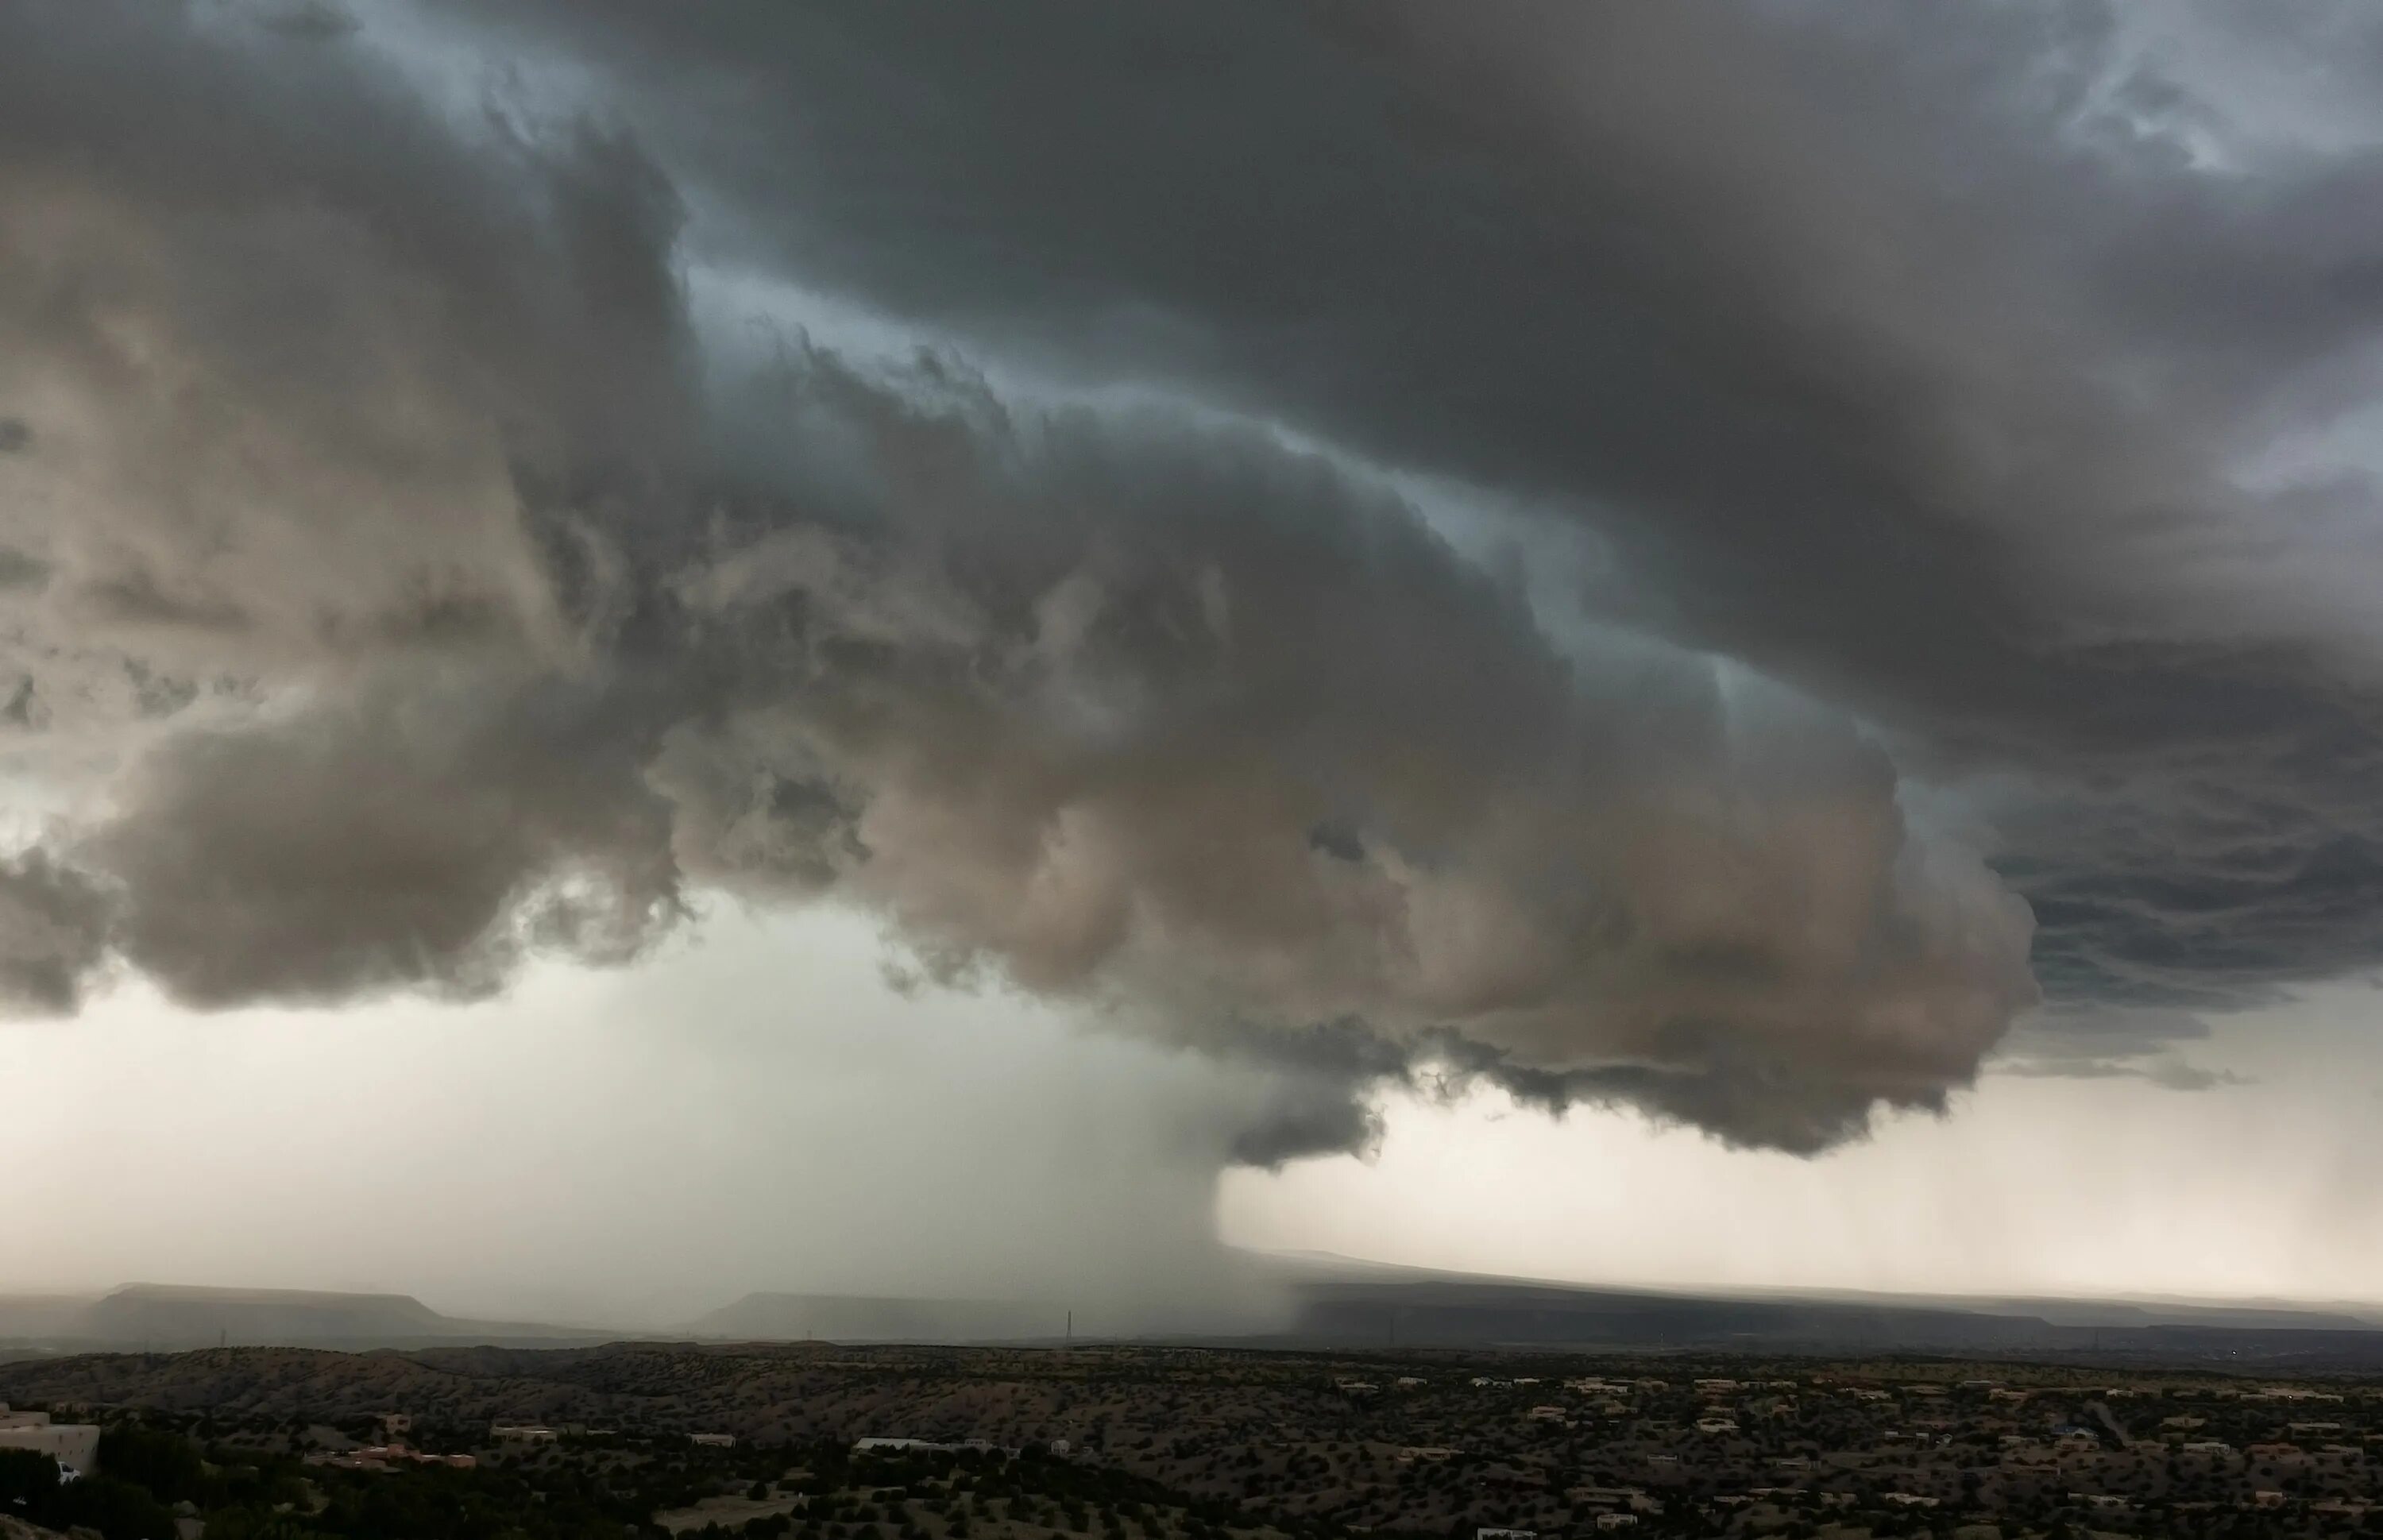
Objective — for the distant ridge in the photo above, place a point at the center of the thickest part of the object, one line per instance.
(168, 1317)
(1343, 1301)
(1326, 1273)
(1327, 1303)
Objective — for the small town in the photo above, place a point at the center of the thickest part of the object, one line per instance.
(833, 1443)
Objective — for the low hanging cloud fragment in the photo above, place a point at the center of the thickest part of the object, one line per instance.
(426, 839)
(54, 926)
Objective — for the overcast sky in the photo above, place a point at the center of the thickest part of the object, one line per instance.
(651, 651)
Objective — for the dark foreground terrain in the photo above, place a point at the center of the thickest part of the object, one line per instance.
(835, 1443)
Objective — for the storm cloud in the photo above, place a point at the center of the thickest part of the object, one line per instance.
(1690, 559)
(1998, 375)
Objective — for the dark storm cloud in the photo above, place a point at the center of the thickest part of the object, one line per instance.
(426, 840)
(287, 352)
(1916, 356)
(339, 428)
(52, 934)
(496, 606)
(2087, 1040)
(1072, 705)
(1067, 708)
(1331, 1074)
(1064, 696)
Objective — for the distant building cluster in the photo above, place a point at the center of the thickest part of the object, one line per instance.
(1470, 1450)
(523, 1433)
(389, 1456)
(900, 1446)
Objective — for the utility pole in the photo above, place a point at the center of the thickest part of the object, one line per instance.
(1071, 1328)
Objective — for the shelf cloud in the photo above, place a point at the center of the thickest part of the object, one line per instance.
(1706, 561)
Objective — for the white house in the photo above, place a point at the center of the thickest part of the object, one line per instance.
(75, 1446)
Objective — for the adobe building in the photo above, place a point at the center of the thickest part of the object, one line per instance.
(75, 1446)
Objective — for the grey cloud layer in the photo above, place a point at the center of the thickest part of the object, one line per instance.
(414, 588)
(1126, 707)
(1961, 367)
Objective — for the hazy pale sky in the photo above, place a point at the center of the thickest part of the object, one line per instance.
(648, 650)
(757, 1109)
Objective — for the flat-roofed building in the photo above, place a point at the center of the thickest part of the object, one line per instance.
(75, 1446)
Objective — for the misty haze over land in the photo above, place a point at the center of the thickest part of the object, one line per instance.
(1299, 1302)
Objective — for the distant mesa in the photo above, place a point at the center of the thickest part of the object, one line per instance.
(165, 1313)
(166, 1318)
